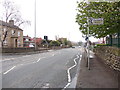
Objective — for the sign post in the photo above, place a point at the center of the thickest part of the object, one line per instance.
(91, 21)
(88, 51)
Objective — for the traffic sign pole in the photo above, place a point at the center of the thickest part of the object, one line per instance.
(88, 53)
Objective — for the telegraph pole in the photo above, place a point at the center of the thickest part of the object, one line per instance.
(35, 24)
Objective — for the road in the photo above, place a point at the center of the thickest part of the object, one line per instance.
(53, 69)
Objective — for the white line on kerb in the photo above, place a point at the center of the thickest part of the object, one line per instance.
(9, 70)
(80, 56)
(66, 86)
(68, 71)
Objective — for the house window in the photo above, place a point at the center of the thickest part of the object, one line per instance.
(13, 32)
(19, 43)
(27, 39)
(18, 33)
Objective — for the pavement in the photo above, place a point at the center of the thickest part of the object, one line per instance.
(100, 76)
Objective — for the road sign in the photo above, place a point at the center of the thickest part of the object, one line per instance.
(46, 37)
(96, 21)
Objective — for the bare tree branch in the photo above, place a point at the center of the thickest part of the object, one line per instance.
(11, 12)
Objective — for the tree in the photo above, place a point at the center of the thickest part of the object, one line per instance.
(12, 13)
(55, 43)
(80, 43)
(109, 11)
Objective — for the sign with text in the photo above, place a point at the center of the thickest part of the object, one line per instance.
(96, 21)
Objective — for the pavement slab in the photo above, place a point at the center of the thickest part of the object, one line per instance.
(99, 75)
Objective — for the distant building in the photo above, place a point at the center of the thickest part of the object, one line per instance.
(11, 35)
(63, 40)
(38, 41)
(102, 41)
(28, 41)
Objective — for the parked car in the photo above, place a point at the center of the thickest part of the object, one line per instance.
(73, 47)
(31, 45)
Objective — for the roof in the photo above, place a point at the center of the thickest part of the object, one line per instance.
(2, 23)
(27, 37)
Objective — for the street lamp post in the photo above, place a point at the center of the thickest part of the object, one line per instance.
(35, 23)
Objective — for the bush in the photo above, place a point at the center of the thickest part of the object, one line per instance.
(98, 45)
(101, 44)
(54, 43)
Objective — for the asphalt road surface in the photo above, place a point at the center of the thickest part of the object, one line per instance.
(53, 69)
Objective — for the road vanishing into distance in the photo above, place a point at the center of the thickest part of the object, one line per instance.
(52, 69)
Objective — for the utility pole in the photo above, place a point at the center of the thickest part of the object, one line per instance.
(35, 24)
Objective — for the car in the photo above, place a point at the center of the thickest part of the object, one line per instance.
(73, 47)
(31, 45)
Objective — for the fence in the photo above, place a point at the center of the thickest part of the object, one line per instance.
(113, 42)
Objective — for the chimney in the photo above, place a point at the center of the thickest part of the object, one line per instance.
(11, 22)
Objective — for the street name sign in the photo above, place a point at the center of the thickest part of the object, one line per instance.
(97, 21)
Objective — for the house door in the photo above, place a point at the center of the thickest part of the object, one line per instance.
(15, 42)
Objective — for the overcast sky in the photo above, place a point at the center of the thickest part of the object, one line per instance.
(54, 18)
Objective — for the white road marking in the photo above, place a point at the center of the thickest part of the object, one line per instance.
(12, 58)
(66, 86)
(50, 50)
(26, 56)
(47, 85)
(21, 64)
(68, 72)
(38, 59)
(67, 62)
(9, 70)
(80, 56)
(32, 62)
(7, 59)
(53, 54)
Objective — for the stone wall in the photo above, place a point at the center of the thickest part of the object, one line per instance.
(17, 50)
(109, 55)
